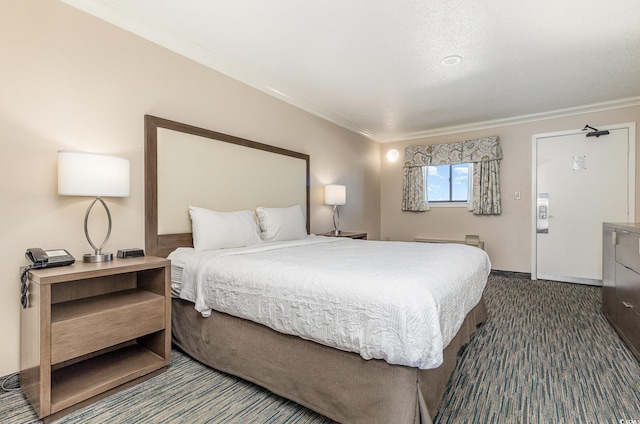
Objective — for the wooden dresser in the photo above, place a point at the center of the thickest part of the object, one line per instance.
(621, 280)
(92, 329)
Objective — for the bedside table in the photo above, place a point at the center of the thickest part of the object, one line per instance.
(350, 234)
(92, 329)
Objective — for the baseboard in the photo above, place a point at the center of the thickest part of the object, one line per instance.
(514, 274)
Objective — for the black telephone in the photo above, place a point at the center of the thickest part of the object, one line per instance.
(40, 258)
(48, 258)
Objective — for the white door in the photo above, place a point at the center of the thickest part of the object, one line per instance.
(579, 183)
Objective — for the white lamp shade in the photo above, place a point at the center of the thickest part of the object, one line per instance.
(335, 194)
(92, 174)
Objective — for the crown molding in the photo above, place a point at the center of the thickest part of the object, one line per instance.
(520, 119)
(113, 14)
(109, 12)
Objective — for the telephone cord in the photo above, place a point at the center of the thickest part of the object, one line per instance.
(10, 389)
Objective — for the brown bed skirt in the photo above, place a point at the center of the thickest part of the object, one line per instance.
(337, 384)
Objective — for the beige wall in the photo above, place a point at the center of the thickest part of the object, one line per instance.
(507, 236)
(71, 81)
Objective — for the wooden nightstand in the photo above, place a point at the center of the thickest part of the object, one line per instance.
(92, 329)
(350, 234)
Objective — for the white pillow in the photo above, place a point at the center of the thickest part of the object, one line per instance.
(279, 224)
(222, 230)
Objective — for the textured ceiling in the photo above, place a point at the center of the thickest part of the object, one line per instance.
(373, 66)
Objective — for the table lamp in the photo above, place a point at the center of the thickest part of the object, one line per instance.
(335, 195)
(94, 175)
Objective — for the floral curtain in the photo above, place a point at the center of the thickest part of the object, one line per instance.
(413, 194)
(484, 153)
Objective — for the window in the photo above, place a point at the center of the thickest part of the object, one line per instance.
(449, 184)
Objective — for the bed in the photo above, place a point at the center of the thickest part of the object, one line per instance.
(344, 385)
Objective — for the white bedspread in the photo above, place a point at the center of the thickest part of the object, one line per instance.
(402, 302)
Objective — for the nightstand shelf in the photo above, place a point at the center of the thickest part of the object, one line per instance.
(350, 234)
(92, 329)
(74, 324)
(83, 380)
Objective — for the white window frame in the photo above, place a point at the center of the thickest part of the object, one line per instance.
(449, 204)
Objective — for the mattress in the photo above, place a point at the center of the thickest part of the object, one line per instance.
(177, 267)
(402, 302)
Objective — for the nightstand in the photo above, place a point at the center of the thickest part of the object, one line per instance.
(92, 329)
(350, 234)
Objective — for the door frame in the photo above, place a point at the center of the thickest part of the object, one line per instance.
(631, 188)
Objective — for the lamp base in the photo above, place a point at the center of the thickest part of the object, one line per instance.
(104, 257)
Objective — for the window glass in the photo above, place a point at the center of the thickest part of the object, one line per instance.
(448, 183)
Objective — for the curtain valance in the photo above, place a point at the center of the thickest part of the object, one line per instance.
(484, 153)
(478, 150)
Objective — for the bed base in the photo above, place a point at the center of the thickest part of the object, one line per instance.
(337, 384)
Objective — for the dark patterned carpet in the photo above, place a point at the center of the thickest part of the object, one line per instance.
(545, 355)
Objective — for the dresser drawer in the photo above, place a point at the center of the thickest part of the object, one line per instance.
(628, 286)
(628, 321)
(628, 249)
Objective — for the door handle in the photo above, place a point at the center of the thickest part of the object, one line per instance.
(627, 305)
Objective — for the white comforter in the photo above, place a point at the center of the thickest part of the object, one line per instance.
(402, 302)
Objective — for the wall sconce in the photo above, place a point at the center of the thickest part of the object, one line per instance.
(335, 195)
(94, 175)
(393, 155)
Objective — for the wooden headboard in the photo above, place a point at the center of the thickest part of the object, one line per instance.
(186, 165)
